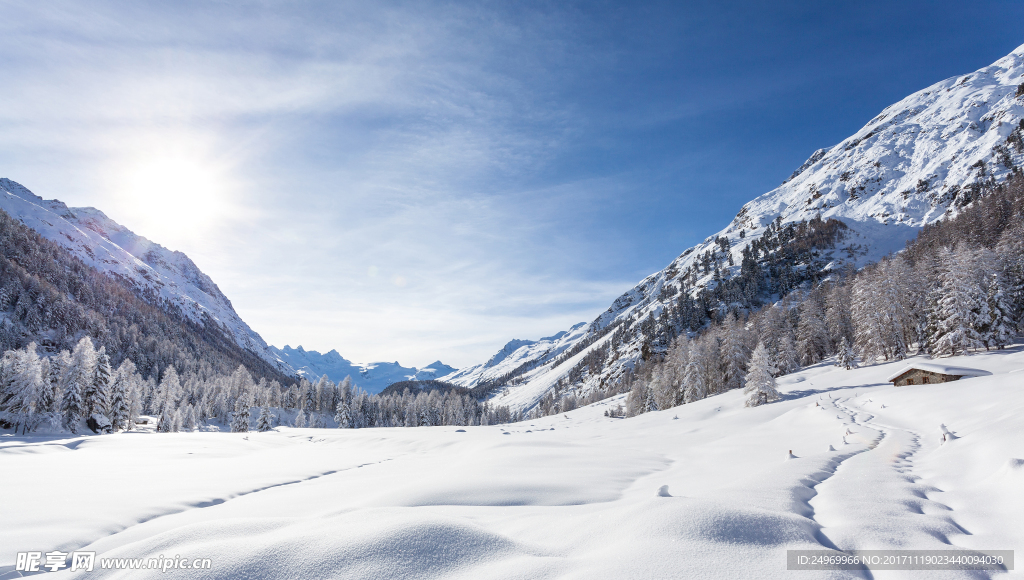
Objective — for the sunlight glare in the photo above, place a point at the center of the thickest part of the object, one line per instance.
(173, 199)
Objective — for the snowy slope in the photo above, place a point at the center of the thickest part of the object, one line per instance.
(515, 354)
(150, 268)
(372, 377)
(917, 162)
(705, 490)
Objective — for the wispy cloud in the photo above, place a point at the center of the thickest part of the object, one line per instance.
(377, 161)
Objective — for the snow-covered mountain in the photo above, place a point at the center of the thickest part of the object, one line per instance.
(514, 355)
(918, 161)
(163, 276)
(371, 377)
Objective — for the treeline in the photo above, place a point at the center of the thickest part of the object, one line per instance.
(80, 389)
(957, 288)
(51, 298)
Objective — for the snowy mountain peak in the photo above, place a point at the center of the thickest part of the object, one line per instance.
(920, 160)
(371, 377)
(151, 269)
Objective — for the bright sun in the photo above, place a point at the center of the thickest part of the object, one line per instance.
(173, 198)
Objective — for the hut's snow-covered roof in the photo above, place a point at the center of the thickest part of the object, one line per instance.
(940, 369)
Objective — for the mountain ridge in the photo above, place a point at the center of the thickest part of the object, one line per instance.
(916, 162)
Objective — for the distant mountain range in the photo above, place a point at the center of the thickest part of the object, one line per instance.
(371, 377)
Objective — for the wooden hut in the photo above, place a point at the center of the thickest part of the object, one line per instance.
(923, 373)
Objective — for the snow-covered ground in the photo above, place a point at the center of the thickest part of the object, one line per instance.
(712, 493)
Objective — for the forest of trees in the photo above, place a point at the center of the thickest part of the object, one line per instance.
(63, 392)
(957, 288)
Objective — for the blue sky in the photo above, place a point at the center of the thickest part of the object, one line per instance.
(424, 180)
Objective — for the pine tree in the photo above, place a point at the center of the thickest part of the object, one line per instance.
(82, 372)
(846, 358)
(998, 329)
(71, 405)
(734, 353)
(300, 419)
(190, 419)
(787, 357)
(343, 416)
(265, 421)
(240, 418)
(760, 379)
(119, 404)
(694, 386)
(962, 307)
(97, 393)
(812, 342)
(22, 387)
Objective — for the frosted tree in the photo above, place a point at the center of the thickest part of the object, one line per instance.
(120, 407)
(324, 394)
(190, 418)
(735, 353)
(265, 421)
(786, 361)
(636, 399)
(662, 389)
(46, 408)
(165, 423)
(96, 393)
(694, 385)
(310, 404)
(82, 372)
(962, 309)
(300, 419)
(838, 320)
(240, 418)
(23, 384)
(71, 406)
(998, 329)
(760, 379)
(812, 340)
(169, 392)
(343, 414)
(845, 357)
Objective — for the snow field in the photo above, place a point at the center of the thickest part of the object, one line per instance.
(712, 494)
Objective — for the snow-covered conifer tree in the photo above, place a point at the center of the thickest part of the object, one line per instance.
(845, 357)
(998, 330)
(120, 408)
(22, 387)
(734, 353)
(265, 421)
(760, 379)
(97, 391)
(812, 341)
(300, 419)
(240, 418)
(694, 387)
(962, 307)
(343, 415)
(190, 418)
(71, 406)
